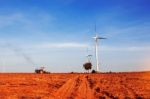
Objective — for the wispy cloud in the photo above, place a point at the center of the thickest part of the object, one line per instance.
(68, 45)
(127, 48)
(25, 19)
(62, 45)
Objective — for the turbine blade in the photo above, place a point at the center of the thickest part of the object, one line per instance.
(102, 38)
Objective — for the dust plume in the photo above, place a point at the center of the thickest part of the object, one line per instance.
(19, 51)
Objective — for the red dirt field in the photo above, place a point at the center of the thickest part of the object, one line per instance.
(75, 86)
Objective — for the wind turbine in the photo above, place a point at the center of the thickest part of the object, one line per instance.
(88, 56)
(97, 38)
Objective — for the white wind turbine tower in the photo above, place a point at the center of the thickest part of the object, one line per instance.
(97, 38)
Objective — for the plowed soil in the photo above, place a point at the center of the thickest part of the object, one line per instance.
(75, 86)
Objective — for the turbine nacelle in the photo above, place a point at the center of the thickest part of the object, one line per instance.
(97, 37)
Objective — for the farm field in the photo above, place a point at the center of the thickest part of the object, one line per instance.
(133, 85)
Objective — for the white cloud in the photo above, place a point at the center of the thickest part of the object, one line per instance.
(128, 48)
(62, 45)
(25, 20)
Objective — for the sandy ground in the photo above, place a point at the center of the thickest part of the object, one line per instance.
(75, 86)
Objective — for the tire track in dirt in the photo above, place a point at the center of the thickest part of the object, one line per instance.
(76, 88)
(84, 90)
(68, 90)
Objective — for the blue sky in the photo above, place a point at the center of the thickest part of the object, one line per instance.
(57, 33)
